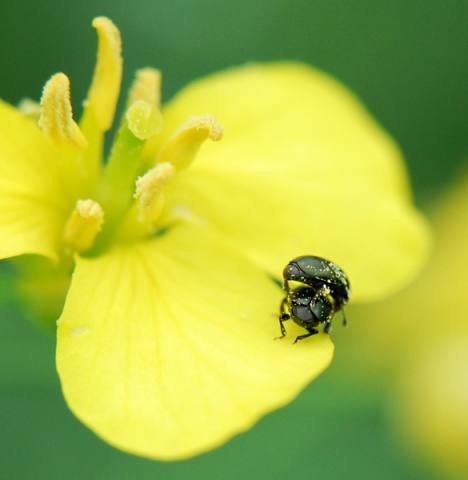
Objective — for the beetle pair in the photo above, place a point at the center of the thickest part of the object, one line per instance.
(315, 290)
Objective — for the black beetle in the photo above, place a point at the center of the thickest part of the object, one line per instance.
(315, 290)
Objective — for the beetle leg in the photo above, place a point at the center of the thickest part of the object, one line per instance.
(345, 322)
(283, 317)
(327, 328)
(322, 291)
(311, 331)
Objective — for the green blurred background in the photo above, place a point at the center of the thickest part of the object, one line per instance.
(406, 60)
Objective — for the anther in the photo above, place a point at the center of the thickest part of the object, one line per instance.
(149, 189)
(56, 119)
(184, 144)
(83, 225)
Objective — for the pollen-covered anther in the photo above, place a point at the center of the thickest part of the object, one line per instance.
(182, 148)
(105, 88)
(56, 120)
(149, 190)
(83, 225)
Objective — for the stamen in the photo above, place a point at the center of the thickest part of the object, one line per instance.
(29, 108)
(144, 120)
(149, 189)
(56, 119)
(182, 148)
(146, 86)
(83, 225)
(105, 87)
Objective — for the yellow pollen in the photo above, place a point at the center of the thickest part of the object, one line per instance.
(149, 189)
(56, 119)
(146, 86)
(144, 120)
(83, 225)
(105, 87)
(182, 148)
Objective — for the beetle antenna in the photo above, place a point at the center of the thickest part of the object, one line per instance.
(345, 322)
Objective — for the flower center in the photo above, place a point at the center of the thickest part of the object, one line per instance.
(130, 193)
(122, 199)
(127, 197)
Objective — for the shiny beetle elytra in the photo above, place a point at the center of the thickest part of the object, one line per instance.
(315, 290)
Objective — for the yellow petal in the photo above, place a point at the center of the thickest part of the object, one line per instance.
(35, 192)
(432, 403)
(166, 349)
(303, 169)
(431, 306)
(421, 337)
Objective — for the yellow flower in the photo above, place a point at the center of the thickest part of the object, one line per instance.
(165, 346)
(431, 359)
